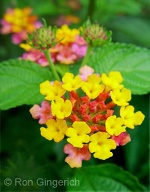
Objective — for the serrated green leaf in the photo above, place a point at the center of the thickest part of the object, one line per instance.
(104, 178)
(133, 62)
(20, 81)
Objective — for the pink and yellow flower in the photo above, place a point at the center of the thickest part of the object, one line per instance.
(70, 48)
(87, 121)
(76, 155)
(42, 113)
(121, 139)
(18, 22)
(85, 71)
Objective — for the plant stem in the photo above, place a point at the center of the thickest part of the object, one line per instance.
(52, 68)
(84, 61)
(91, 8)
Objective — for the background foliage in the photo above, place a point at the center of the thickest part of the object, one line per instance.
(25, 154)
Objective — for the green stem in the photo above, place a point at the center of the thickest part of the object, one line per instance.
(52, 68)
(91, 8)
(84, 61)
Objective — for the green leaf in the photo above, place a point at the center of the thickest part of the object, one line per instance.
(116, 6)
(106, 10)
(48, 7)
(133, 62)
(45, 8)
(125, 29)
(20, 81)
(136, 151)
(62, 69)
(106, 177)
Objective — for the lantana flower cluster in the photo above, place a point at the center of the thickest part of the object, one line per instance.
(70, 48)
(81, 110)
(18, 22)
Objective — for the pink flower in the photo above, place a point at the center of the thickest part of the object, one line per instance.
(42, 113)
(38, 24)
(79, 47)
(6, 29)
(80, 41)
(19, 37)
(65, 55)
(85, 71)
(38, 57)
(76, 155)
(43, 61)
(122, 139)
(79, 50)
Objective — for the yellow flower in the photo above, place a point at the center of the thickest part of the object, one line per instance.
(121, 97)
(78, 134)
(51, 90)
(61, 108)
(91, 87)
(66, 35)
(14, 16)
(25, 46)
(70, 82)
(113, 80)
(130, 118)
(101, 145)
(20, 19)
(55, 130)
(114, 125)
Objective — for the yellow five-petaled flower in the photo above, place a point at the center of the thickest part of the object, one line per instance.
(130, 118)
(114, 125)
(92, 86)
(78, 134)
(61, 108)
(52, 90)
(71, 82)
(101, 144)
(121, 97)
(56, 129)
(113, 80)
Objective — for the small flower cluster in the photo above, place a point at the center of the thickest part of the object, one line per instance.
(80, 109)
(18, 22)
(70, 48)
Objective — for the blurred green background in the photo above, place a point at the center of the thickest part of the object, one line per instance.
(24, 153)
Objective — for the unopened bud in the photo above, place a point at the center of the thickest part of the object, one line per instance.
(43, 38)
(95, 35)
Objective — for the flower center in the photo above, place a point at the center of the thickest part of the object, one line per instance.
(93, 112)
